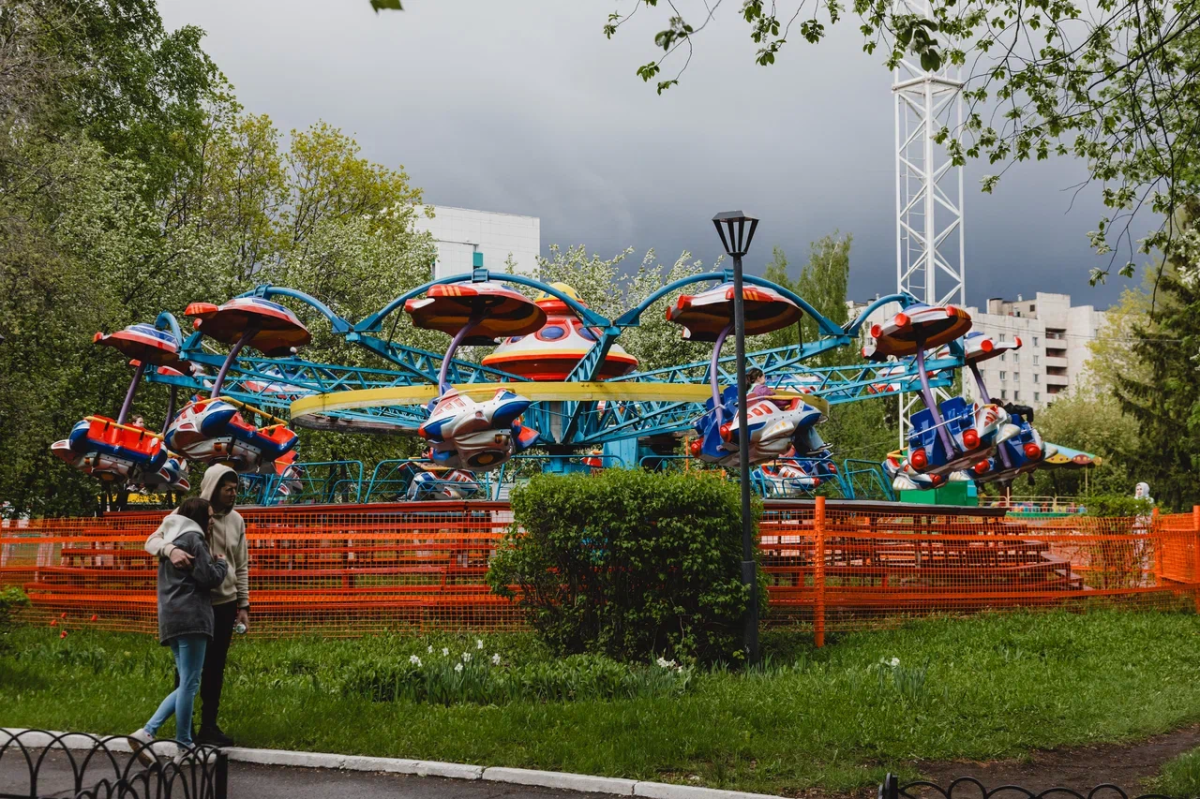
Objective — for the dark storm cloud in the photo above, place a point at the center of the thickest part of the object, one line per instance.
(522, 106)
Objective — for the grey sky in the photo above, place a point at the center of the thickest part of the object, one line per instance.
(523, 106)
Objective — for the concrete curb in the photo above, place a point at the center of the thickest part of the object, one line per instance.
(561, 780)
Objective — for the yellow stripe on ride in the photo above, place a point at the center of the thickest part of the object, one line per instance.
(533, 391)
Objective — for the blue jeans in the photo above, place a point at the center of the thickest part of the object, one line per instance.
(189, 661)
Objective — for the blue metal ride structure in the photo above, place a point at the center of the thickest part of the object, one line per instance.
(567, 426)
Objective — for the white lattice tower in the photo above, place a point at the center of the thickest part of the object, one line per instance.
(930, 259)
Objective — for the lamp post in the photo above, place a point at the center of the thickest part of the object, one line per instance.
(736, 231)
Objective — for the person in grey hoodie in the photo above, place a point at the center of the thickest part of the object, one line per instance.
(230, 599)
(185, 615)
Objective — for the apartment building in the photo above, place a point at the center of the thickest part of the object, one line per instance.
(460, 233)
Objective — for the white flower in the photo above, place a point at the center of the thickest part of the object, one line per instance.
(413, 659)
(479, 643)
(458, 667)
(466, 657)
(445, 652)
(430, 649)
(666, 664)
(894, 662)
(496, 659)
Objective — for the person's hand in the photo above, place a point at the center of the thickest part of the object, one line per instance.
(220, 557)
(243, 617)
(180, 559)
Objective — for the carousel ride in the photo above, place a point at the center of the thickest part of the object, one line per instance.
(557, 380)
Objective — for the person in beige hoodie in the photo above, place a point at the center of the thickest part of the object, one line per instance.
(230, 599)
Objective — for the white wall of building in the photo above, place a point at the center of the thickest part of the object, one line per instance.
(462, 232)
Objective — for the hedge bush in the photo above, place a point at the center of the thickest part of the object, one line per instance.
(629, 564)
(1115, 506)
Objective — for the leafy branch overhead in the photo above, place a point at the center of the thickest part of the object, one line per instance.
(1113, 82)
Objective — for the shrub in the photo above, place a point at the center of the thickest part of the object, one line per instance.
(1116, 506)
(12, 599)
(629, 564)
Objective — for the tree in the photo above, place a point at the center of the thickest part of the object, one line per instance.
(1116, 84)
(823, 283)
(1091, 420)
(1165, 397)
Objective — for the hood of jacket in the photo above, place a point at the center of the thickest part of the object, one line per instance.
(175, 525)
(212, 476)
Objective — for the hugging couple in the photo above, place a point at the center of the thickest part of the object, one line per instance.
(203, 593)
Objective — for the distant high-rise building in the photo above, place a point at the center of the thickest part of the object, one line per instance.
(1054, 344)
(461, 232)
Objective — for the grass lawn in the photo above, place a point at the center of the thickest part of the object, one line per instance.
(982, 688)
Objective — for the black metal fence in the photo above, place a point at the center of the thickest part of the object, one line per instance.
(971, 788)
(35, 764)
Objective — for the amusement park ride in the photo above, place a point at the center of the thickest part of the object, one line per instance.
(557, 380)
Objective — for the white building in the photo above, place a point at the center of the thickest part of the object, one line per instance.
(1054, 344)
(460, 233)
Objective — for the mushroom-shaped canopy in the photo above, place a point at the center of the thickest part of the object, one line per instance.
(981, 347)
(934, 325)
(143, 342)
(706, 314)
(276, 330)
(491, 310)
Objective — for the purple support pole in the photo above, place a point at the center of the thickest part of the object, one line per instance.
(133, 384)
(927, 395)
(170, 409)
(233, 353)
(983, 392)
(713, 380)
(454, 344)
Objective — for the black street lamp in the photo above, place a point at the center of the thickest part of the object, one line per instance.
(736, 231)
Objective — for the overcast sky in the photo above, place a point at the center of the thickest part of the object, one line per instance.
(523, 106)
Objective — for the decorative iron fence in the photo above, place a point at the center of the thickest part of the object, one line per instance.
(971, 788)
(37, 764)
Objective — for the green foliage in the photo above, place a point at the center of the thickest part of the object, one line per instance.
(1091, 420)
(822, 282)
(629, 564)
(1164, 397)
(1113, 506)
(12, 599)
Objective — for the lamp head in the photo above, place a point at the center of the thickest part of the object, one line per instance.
(736, 231)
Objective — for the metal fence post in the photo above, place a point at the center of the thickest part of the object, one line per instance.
(890, 787)
(1196, 555)
(221, 782)
(819, 572)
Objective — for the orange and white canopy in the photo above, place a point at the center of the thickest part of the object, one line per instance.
(491, 310)
(276, 330)
(706, 314)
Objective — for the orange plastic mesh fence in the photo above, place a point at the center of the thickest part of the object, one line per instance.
(356, 569)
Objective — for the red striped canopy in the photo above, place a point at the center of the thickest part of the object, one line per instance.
(496, 311)
(276, 328)
(706, 314)
(143, 342)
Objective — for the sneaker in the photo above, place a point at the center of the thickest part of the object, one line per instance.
(197, 756)
(140, 740)
(213, 736)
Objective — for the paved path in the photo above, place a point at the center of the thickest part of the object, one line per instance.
(247, 781)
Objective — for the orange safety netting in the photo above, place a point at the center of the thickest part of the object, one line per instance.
(355, 569)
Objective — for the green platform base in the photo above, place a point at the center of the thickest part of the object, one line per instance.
(958, 493)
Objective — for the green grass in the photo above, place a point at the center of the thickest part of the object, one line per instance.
(984, 688)
(1179, 777)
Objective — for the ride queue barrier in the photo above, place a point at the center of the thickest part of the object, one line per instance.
(350, 570)
(37, 764)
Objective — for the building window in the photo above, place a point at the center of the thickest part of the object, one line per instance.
(1036, 396)
(1032, 307)
(1002, 357)
(1002, 374)
(1037, 378)
(1003, 393)
(1017, 376)
(1002, 337)
(1035, 341)
(1016, 396)
(1035, 360)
